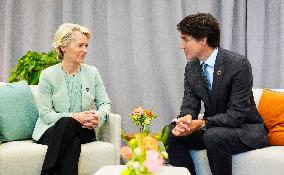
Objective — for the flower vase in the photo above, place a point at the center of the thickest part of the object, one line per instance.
(144, 129)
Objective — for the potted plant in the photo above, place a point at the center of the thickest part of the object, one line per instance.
(30, 66)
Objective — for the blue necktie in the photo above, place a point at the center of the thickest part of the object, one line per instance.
(205, 75)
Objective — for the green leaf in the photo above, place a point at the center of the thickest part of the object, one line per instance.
(123, 136)
(30, 65)
(164, 135)
(35, 78)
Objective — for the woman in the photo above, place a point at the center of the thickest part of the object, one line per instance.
(72, 102)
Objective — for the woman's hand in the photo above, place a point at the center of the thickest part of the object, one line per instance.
(89, 119)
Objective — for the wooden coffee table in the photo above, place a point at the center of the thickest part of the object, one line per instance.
(131, 135)
(165, 170)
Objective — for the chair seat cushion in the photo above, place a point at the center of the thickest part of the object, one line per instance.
(21, 157)
(26, 157)
(269, 160)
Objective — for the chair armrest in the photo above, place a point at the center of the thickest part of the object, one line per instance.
(111, 132)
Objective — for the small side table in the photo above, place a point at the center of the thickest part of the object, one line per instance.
(165, 170)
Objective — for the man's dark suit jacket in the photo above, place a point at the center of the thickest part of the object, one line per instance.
(230, 103)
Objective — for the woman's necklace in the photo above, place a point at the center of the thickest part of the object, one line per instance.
(70, 75)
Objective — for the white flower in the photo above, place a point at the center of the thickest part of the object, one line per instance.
(136, 165)
(147, 121)
(137, 151)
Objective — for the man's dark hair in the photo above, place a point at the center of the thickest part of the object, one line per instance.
(199, 26)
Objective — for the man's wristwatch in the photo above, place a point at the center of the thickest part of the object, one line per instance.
(204, 127)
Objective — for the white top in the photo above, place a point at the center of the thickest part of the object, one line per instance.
(165, 170)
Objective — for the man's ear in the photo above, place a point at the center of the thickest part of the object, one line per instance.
(204, 41)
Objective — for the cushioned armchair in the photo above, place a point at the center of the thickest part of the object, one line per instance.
(269, 160)
(26, 157)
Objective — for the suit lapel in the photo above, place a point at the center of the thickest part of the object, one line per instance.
(219, 71)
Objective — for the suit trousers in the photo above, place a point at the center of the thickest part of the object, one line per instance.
(64, 141)
(220, 142)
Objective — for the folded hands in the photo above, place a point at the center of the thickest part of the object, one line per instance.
(89, 119)
(185, 126)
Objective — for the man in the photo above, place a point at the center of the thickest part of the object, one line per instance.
(223, 81)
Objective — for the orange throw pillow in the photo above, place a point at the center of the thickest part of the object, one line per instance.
(271, 109)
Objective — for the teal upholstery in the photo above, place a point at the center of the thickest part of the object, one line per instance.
(26, 157)
(18, 112)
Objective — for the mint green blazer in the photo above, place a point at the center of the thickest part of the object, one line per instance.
(54, 99)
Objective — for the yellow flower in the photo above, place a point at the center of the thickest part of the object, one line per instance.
(149, 113)
(133, 143)
(164, 154)
(150, 143)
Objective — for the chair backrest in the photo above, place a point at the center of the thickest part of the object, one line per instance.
(34, 89)
(258, 92)
(257, 95)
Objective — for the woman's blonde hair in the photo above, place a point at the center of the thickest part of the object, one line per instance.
(63, 36)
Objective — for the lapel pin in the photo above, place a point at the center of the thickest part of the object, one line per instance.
(87, 89)
(219, 72)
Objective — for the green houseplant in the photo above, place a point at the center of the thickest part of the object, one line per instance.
(30, 66)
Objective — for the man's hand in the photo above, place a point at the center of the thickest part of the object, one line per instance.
(185, 126)
(196, 125)
(182, 126)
